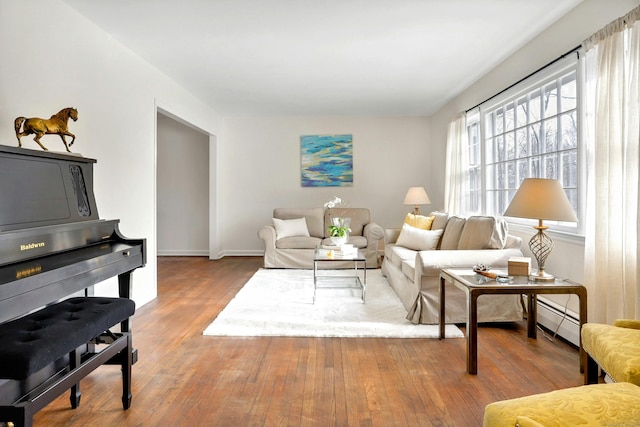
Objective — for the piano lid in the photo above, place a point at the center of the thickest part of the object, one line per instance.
(41, 188)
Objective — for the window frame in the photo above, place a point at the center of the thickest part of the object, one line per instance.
(477, 122)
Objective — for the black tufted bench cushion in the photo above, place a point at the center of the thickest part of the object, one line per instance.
(30, 343)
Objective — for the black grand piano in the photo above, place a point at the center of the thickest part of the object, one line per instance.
(53, 245)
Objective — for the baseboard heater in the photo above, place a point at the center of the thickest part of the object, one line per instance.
(551, 314)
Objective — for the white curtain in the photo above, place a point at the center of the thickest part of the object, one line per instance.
(456, 185)
(612, 267)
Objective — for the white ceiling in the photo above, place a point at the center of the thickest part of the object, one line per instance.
(324, 57)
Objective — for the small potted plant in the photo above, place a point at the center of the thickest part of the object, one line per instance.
(339, 229)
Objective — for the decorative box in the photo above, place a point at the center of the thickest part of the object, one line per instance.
(519, 266)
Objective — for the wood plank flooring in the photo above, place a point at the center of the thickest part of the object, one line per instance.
(185, 379)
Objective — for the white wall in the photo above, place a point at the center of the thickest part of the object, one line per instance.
(567, 258)
(261, 170)
(183, 189)
(54, 58)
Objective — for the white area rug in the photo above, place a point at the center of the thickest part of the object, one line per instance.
(280, 303)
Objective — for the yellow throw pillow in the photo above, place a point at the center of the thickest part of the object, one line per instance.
(419, 221)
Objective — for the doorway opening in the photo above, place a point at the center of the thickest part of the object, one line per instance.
(183, 189)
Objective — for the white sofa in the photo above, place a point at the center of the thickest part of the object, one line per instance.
(297, 251)
(415, 274)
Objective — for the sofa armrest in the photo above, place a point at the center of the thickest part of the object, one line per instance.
(373, 233)
(268, 234)
(391, 235)
(627, 323)
(513, 242)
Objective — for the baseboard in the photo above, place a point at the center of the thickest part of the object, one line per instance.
(219, 255)
(551, 314)
(172, 252)
(236, 252)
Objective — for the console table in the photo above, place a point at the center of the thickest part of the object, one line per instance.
(475, 285)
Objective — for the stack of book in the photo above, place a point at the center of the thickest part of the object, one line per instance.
(340, 251)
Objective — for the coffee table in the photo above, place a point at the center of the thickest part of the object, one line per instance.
(475, 285)
(345, 281)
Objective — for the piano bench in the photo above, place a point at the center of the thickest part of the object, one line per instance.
(33, 343)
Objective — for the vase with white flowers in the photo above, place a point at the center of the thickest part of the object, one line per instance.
(339, 228)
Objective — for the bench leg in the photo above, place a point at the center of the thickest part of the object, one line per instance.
(591, 371)
(74, 362)
(20, 416)
(127, 359)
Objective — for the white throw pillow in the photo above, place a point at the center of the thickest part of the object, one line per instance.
(418, 239)
(290, 227)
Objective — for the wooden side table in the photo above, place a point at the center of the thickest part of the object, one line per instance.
(475, 285)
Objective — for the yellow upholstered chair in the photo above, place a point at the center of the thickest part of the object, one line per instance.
(615, 404)
(615, 348)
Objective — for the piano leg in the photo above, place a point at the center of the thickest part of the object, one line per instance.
(126, 358)
(74, 362)
(124, 284)
(124, 290)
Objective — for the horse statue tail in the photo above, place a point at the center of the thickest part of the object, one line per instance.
(18, 124)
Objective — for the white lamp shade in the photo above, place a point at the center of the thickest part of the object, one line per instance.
(416, 196)
(541, 198)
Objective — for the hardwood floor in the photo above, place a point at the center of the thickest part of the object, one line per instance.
(185, 379)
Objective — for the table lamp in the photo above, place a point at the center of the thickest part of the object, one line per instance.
(540, 198)
(416, 196)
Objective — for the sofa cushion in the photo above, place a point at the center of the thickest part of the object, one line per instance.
(298, 242)
(397, 254)
(418, 239)
(522, 421)
(419, 221)
(313, 217)
(615, 404)
(439, 220)
(452, 233)
(358, 241)
(483, 232)
(290, 227)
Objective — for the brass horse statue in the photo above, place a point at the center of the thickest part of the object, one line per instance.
(57, 124)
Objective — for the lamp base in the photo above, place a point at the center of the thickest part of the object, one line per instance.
(541, 276)
(541, 246)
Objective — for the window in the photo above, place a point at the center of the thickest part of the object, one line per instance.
(531, 131)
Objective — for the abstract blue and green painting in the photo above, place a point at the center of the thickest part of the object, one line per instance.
(326, 160)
